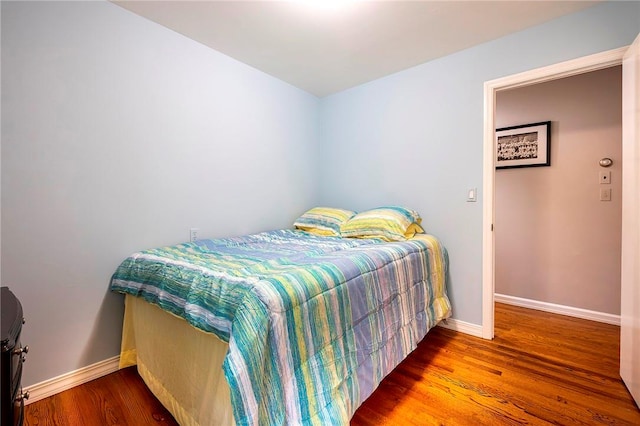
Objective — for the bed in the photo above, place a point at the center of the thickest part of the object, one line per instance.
(291, 326)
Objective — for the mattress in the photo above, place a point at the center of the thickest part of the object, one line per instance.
(312, 323)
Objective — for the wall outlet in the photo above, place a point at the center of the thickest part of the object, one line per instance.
(193, 234)
(605, 194)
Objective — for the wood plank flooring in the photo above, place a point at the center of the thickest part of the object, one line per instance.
(540, 369)
(120, 398)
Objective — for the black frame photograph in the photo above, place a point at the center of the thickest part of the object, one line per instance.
(526, 145)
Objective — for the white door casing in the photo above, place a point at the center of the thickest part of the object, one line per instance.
(630, 268)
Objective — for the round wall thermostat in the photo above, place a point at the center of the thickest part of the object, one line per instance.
(606, 162)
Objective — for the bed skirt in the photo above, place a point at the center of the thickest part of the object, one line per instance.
(181, 365)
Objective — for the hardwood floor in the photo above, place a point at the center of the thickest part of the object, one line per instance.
(120, 398)
(540, 369)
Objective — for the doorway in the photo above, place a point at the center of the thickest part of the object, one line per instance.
(565, 69)
(557, 245)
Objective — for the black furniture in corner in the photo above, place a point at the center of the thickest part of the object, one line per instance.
(13, 356)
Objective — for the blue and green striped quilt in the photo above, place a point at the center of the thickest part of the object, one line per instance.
(313, 323)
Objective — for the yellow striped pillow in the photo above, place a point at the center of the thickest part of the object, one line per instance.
(391, 223)
(323, 220)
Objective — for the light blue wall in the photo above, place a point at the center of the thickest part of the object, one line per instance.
(119, 135)
(415, 137)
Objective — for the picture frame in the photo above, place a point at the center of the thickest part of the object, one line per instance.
(526, 145)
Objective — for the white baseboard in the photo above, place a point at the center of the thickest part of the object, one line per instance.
(462, 327)
(69, 380)
(558, 309)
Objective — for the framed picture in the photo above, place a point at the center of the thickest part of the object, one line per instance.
(528, 145)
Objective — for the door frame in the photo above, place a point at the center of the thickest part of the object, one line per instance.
(569, 68)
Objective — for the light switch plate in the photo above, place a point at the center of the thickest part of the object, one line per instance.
(472, 194)
(605, 194)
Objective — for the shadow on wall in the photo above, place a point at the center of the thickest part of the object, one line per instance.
(100, 340)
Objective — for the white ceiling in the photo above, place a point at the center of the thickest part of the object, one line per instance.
(327, 46)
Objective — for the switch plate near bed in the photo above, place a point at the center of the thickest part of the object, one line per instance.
(193, 234)
(472, 195)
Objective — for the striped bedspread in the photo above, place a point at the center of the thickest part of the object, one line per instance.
(313, 323)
